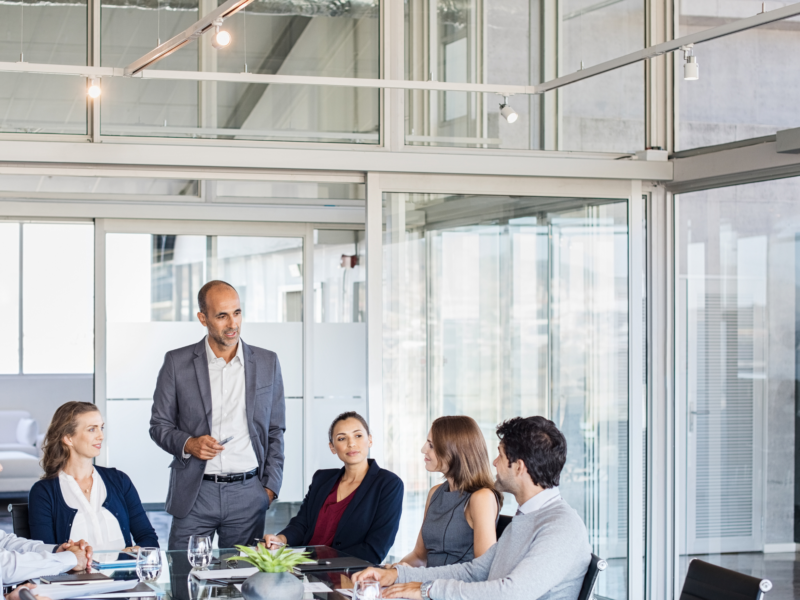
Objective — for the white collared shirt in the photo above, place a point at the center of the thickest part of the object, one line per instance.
(229, 414)
(539, 500)
(92, 522)
(22, 559)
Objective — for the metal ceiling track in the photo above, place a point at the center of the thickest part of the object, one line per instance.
(192, 32)
(138, 68)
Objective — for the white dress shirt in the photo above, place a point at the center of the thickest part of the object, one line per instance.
(22, 559)
(539, 500)
(92, 522)
(229, 415)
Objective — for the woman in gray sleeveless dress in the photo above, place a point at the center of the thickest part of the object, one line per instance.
(461, 513)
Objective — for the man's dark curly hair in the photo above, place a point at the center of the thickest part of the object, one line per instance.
(538, 443)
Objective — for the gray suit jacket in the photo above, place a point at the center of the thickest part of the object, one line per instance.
(182, 409)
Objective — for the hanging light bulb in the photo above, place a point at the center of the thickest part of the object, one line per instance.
(509, 114)
(222, 39)
(94, 90)
(691, 70)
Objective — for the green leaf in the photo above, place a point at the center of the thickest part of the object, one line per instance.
(284, 559)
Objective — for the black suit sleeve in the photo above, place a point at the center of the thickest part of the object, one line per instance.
(273, 470)
(41, 516)
(382, 531)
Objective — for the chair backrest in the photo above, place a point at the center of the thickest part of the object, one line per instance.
(19, 520)
(596, 565)
(705, 581)
(502, 522)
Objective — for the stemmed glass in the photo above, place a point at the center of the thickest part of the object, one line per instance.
(148, 564)
(199, 551)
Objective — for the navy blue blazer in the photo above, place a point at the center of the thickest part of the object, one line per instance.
(369, 523)
(50, 519)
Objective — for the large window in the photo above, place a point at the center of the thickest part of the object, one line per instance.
(737, 339)
(525, 42)
(47, 298)
(747, 87)
(496, 307)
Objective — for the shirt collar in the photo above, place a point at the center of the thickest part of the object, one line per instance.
(213, 357)
(539, 500)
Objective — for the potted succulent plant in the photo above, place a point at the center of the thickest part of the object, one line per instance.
(275, 580)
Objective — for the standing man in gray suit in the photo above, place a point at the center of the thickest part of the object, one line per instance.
(219, 410)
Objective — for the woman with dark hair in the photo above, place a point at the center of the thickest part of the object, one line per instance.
(355, 509)
(78, 500)
(461, 513)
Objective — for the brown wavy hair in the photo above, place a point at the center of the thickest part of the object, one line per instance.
(64, 423)
(459, 444)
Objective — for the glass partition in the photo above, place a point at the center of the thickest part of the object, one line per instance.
(525, 42)
(497, 307)
(151, 289)
(738, 318)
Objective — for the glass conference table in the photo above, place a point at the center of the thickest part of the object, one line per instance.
(177, 583)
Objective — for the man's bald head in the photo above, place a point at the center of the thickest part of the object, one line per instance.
(202, 295)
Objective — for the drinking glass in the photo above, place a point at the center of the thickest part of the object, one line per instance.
(199, 551)
(148, 564)
(367, 590)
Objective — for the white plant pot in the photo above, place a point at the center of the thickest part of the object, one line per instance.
(272, 586)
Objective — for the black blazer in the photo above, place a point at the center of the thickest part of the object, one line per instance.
(370, 522)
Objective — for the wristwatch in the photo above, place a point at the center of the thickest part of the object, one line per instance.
(425, 589)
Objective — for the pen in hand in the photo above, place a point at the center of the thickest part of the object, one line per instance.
(225, 441)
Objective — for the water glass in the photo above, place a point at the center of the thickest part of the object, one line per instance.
(367, 590)
(148, 564)
(199, 551)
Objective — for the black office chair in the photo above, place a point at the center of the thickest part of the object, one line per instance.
(596, 565)
(19, 520)
(705, 581)
(502, 523)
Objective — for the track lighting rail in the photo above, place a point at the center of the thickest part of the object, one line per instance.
(138, 68)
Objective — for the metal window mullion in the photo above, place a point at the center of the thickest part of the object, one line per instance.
(19, 307)
(308, 343)
(636, 508)
(374, 256)
(100, 389)
(93, 60)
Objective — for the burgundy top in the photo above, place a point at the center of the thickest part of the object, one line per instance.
(329, 516)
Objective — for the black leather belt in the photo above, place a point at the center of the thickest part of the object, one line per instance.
(230, 478)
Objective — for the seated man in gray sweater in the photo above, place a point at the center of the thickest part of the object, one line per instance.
(543, 554)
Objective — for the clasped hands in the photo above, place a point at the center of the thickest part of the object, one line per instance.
(82, 551)
(387, 578)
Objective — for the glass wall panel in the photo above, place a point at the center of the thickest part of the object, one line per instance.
(738, 308)
(58, 297)
(525, 42)
(151, 297)
(9, 297)
(496, 307)
(745, 88)
(34, 103)
(340, 339)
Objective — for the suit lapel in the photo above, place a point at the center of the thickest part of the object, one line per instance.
(203, 379)
(361, 492)
(249, 384)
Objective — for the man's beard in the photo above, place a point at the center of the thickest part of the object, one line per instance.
(220, 338)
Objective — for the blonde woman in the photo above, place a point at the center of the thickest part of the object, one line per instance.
(460, 513)
(79, 500)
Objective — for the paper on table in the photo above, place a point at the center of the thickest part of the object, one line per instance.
(313, 587)
(143, 590)
(348, 593)
(226, 573)
(57, 591)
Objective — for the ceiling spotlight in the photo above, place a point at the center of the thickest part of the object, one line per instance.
(222, 38)
(94, 90)
(509, 114)
(691, 70)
